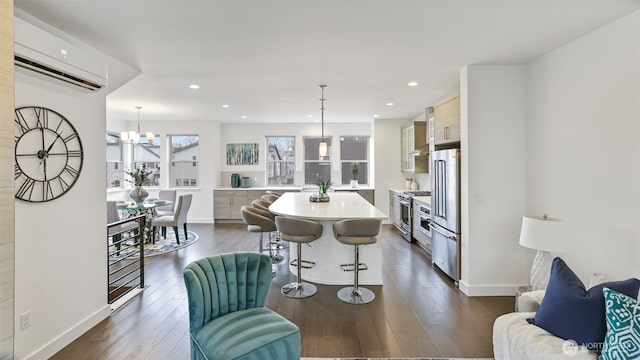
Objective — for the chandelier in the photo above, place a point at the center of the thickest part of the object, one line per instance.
(133, 136)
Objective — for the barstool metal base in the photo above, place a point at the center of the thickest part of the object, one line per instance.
(297, 290)
(276, 258)
(350, 295)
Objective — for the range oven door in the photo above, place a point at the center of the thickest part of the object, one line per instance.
(405, 218)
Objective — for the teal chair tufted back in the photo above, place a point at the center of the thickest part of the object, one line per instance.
(222, 284)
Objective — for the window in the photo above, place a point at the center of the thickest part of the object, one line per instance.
(354, 149)
(281, 160)
(315, 166)
(184, 153)
(114, 162)
(148, 154)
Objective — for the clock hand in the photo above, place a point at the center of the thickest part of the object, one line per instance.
(54, 141)
(42, 131)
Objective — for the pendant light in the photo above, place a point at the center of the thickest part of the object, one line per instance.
(322, 149)
(133, 136)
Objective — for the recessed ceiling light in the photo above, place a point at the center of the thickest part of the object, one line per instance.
(412, 83)
(309, 116)
(225, 105)
(389, 104)
(244, 116)
(194, 86)
(375, 115)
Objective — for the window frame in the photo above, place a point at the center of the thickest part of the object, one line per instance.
(268, 162)
(172, 182)
(119, 173)
(350, 161)
(328, 161)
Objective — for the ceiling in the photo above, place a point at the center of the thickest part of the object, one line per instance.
(265, 59)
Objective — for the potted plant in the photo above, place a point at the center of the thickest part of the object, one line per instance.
(355, 170)
(139, 177)
(323, 186)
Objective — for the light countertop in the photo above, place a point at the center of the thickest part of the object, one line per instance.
(342, 205)
(296, 188)
(423, 199)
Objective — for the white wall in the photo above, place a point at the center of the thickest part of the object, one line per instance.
(387, 153)
(583, 146)
(493, 171)
(60, 262)
(256, 133)
(201, 210)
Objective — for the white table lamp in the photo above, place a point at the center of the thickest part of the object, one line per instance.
(545, 235)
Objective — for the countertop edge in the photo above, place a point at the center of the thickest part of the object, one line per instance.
(293, 188)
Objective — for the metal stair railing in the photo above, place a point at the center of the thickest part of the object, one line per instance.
(125, 273)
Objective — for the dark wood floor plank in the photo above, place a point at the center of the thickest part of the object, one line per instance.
(417, 313)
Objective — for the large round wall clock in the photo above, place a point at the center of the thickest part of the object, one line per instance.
(48, 154)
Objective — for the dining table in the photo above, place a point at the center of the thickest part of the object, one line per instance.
(149, 208)
(327, 252)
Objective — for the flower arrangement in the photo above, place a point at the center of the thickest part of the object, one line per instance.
(355, 170)
(323, 184)
(139, 176)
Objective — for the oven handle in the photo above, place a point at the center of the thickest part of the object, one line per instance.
(450, 237)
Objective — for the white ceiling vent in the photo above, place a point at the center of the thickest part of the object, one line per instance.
(48, 55)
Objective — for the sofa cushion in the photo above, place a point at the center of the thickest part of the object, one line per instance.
(571, 312)
(515, 339)
(623, 327)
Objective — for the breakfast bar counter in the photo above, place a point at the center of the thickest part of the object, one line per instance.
(327, 253)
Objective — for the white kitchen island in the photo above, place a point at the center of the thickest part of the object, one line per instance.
(327, 252)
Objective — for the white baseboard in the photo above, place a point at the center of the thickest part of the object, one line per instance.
(200, 221)
(70, 335)
(488, 290)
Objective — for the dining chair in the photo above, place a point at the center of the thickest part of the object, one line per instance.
(115, 232)
(169, 195)
(227, 317)
(179, 218)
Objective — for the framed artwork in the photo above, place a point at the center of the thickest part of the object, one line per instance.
(242, 154)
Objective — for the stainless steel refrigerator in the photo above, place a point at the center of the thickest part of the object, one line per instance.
(445, 211)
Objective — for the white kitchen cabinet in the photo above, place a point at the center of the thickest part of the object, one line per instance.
(447, 122)
(413, 140)
(394, 209)
(227, 203)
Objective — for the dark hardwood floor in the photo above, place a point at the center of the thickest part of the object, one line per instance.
(418, 312)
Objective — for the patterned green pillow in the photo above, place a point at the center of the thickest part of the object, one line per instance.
(623, 327)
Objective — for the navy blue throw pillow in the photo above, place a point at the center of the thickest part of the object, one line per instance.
(571, 312)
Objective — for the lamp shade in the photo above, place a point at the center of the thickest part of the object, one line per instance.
(543, 233)
(323, 148)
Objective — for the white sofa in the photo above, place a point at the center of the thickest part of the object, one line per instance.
(515, 339)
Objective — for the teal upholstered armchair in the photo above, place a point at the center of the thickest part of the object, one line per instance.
(227, 317)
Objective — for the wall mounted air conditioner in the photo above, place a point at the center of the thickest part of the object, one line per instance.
(48, 55)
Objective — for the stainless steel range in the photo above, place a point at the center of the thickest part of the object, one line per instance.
(406, 211)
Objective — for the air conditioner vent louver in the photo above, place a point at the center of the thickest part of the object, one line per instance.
(49, 71)
(57, 59)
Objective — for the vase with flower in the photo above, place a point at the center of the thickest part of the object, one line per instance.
(323, 187)
(139, 177)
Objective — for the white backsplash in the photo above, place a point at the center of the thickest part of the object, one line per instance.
(423, 180)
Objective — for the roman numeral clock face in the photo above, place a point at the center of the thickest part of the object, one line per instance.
(48, 154)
